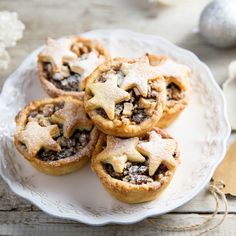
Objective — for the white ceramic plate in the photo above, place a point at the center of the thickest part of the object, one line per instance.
(201, 130)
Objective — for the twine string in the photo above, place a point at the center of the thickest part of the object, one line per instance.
(215, 189)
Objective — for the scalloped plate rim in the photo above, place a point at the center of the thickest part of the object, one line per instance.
(149, 213)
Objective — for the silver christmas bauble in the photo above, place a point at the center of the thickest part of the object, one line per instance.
(217, 23)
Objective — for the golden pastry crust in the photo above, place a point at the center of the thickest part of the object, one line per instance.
(62, 166)
(85, 46)
(123, 125)
(173, 108)
(128, 192)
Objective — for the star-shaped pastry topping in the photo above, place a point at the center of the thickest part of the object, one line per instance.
(36, 137)
(118, 151)
(118, 163)
(57, 52)
(158, 151)
(138, 74)
(170, 68)
(87, 63)
(72, 116)
(106, 96)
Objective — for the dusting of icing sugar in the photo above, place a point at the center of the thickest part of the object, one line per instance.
(57, 52)
(36, 137)
(106, 96)
(86, 64)
(158, 151)
(170, 68)
(122, 149)
(119, 76)
(138, 74)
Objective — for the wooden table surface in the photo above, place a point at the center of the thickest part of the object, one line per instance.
(56, 18)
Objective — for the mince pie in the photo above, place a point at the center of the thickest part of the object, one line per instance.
(55, 135)
(177, 86)
(64, 64)
(125, 97)
(136, 169)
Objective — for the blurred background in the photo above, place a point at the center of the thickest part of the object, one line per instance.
(176, 20)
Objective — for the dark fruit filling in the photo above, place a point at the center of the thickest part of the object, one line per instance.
(137, 173)
(69, 146)
(174, 92)
(133, 109)
(68, 81)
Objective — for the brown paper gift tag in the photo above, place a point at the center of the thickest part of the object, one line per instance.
(226, 171)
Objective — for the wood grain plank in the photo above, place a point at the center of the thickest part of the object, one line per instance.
(11, 202)
(37, 223)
